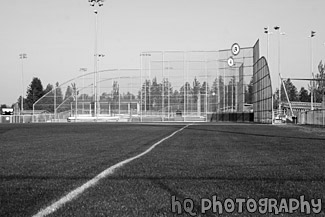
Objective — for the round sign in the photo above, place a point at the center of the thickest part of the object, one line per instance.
(235, 49)
(230, 61)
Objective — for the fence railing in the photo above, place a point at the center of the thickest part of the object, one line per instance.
(69, 116)
(315, 117)
(39, 118)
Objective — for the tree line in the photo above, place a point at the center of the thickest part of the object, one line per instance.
(35, 91)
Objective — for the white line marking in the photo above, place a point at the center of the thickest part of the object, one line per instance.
(75, 193)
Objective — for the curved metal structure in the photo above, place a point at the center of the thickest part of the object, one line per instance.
(262, 92)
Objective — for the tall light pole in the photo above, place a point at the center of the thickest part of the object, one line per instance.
(163, 86)
(268, 33)
(312, 34)
(145, 86)
(141, 87)
(94, 3)
(83, 70)
(98, 106)
(323, 93)
(277, 28)
(22, 56)
(184, 71)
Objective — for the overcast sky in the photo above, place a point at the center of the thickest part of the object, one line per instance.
(58, 36)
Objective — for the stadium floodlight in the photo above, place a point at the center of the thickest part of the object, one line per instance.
(312, 34)
(93, 3)
(267, 32)
(22, 56)
(277, 28)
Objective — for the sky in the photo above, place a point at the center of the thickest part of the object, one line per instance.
(58, 36)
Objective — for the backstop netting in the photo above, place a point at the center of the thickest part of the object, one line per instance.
(168, 86)
(117, 93)
(195, 84)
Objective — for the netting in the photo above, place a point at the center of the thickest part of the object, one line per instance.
(168, 86)
(116, 91)
(195, 83)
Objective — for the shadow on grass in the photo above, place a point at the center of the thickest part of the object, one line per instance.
(219, 178)
(184, 178)
(23, 177)
(254, 134)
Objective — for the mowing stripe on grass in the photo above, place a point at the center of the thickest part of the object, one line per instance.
(75, 193)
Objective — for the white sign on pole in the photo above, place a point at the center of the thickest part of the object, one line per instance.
(230, 61)
(235, 49)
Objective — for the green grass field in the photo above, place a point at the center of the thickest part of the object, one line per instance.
(40, 163)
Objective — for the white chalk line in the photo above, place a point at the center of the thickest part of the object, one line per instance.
(75, 193)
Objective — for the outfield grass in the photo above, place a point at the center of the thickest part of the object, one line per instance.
(41, 162)
(231, 161)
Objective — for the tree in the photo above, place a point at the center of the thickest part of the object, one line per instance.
(291, 91)
(34, 92)
(59, 97)
(215, 93)
(304, 95)
(156, 97)
(167, 88)
(320, 83)
(68, 98)
(196, 90)
(249, 92)
(75, 91)
(321, 75)
(318, 94)
(48, 99)
(48, 88)
(19, 102)
(115, 94)
(186, 92)
(104, 97)
(222, 93)
(68, 93)
(128, 96)
(204, 89)
(176, 98)
(231, 93)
